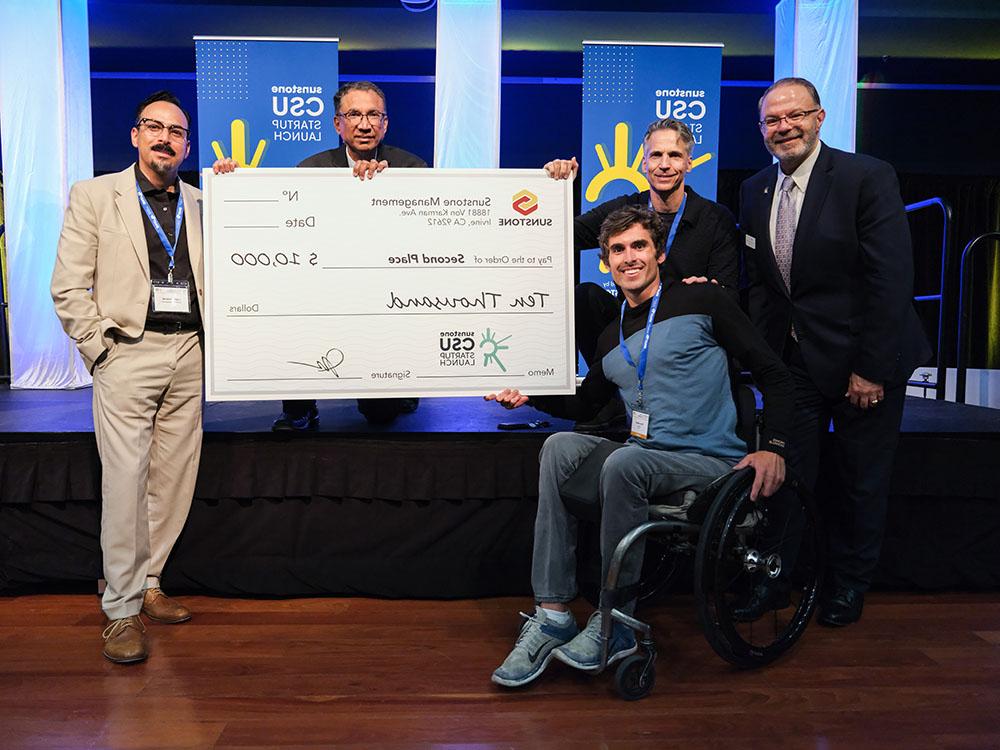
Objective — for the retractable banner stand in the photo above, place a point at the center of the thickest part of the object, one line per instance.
(626, 86)
(265, 101)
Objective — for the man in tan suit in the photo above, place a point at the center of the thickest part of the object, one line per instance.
(128, 288)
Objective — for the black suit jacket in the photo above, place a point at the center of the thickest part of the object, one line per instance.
(851, 297)
(707, 241)
(337, 157)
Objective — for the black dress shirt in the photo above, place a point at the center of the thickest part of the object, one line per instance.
(164, 206)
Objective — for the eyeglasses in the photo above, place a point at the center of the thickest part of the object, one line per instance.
(794, 118)
(354, 117)
(155, 128)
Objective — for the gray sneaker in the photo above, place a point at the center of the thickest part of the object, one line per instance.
(584, 651)
(533, 649)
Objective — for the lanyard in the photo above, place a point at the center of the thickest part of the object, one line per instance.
(178, 220)
(644, 353)
(640, 370)
(676, 223)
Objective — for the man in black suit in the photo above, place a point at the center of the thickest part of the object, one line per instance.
(828, 252)
(361, 121)
(705, 242)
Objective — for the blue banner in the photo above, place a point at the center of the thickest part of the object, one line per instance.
(626, 86)
(265, 102)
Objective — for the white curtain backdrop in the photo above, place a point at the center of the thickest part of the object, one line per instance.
(818, 40)
(467, 88)
(47, 146)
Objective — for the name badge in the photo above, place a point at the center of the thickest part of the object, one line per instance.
(171, 296)
(751, 242)
(640, 424)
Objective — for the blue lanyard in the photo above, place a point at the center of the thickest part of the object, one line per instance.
(178, 220)
(640, 371)
(673, 227)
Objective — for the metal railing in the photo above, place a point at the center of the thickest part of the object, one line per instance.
(964, 303)
(942, 296)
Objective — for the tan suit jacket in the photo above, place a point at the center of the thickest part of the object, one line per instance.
(101, 282)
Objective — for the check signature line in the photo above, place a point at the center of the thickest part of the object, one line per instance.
(450, 377)
(268, 380)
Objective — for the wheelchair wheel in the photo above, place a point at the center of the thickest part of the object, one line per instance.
(776, 542)
(635, 677)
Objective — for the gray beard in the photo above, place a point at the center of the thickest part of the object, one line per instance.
(160, 168)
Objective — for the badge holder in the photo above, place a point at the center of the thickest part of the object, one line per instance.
(171, 296)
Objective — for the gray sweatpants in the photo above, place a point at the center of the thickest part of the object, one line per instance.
(630, 476)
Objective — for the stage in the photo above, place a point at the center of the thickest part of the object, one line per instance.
(440, 504)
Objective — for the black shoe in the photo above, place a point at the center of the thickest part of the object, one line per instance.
(288, 423)
(764, 598)
(843, 608)
(383, 411)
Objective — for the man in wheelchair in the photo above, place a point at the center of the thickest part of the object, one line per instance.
(668, 358)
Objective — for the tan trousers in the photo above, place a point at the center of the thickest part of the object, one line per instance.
(147, 420)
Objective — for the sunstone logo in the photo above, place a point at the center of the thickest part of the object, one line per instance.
(524, 202)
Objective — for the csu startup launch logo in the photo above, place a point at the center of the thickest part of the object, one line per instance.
(525, 202)
(458, 348)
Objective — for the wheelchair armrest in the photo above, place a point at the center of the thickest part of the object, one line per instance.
(674, 505)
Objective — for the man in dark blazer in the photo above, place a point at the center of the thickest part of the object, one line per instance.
(361, 121)
(828, 253)
(707, 241)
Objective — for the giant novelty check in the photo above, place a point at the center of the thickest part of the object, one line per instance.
(419, 282)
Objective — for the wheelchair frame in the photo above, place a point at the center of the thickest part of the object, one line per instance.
(726, 506)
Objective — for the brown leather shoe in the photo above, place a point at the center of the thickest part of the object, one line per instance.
(158, 606)
(125, 640)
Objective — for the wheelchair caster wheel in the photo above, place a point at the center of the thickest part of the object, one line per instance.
(635, 677)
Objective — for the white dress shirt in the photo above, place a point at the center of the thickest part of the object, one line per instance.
(801, 179)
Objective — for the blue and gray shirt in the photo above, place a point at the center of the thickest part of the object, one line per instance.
(687, 390)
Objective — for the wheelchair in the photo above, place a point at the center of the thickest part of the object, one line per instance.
(735, 546)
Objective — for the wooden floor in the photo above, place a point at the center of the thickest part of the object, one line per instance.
(919, 671)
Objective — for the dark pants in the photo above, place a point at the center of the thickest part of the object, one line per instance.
(375, 410)
(864, 442)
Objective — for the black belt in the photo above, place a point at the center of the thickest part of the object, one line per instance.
(164, 326)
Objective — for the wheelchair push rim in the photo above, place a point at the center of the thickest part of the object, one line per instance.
(776, 541)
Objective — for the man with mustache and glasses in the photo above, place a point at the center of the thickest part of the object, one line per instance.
(361, 120)
(827, 248)
(127, 286)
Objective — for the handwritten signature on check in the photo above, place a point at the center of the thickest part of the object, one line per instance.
(329, 362)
